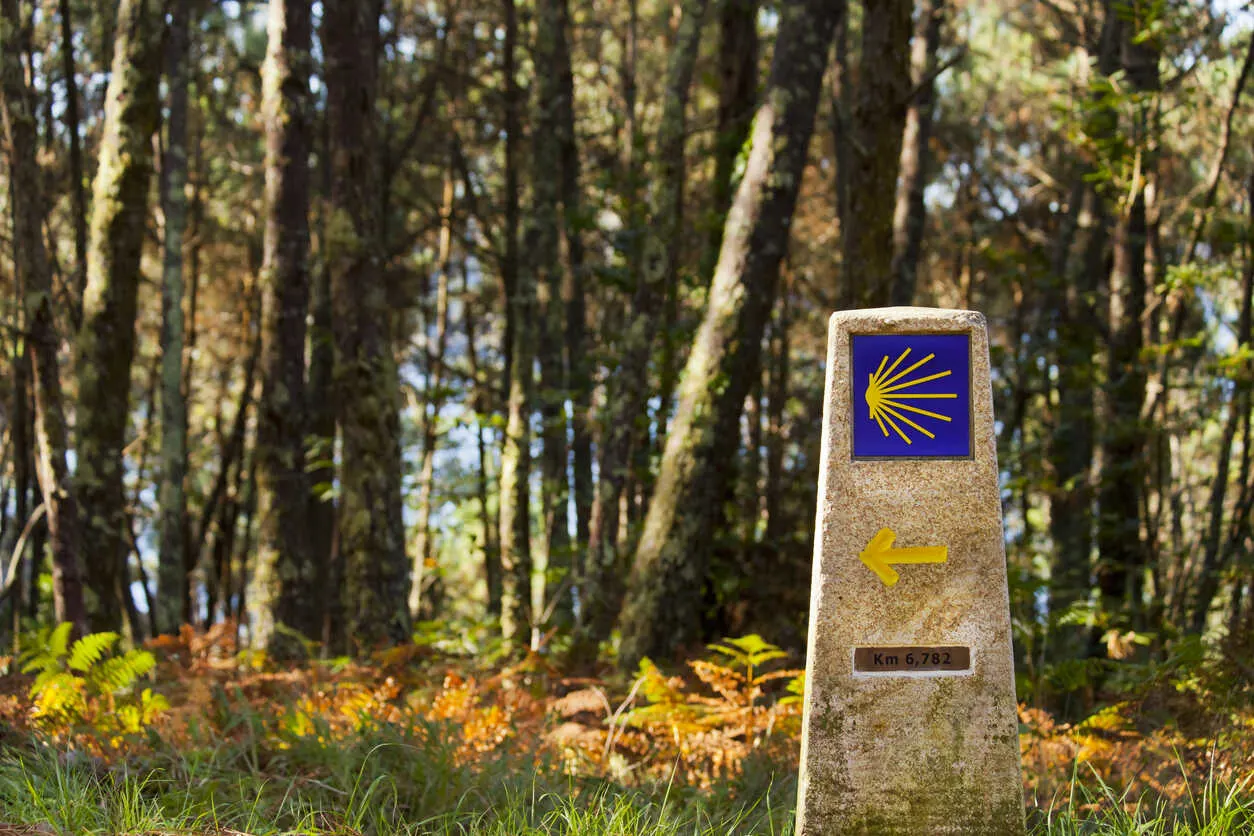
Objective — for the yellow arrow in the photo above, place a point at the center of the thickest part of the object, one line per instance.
(879, 553)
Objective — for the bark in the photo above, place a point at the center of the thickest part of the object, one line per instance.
(491, 554)
(106, 343)
(670, 168)
(879, 117)
(515, 495)
(544, 264)
(579, 382)
(1121, 485)
(78, 194)
(284, 578)
(172, 499)
(625, 424)
(371, 531)
(673, 554)
(34, 281)
(435, 348)
(737, 98)
(909, 216)
(320, 421)
(841, 120)
(512, 102)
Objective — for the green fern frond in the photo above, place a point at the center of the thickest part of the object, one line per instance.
(142, 662)
(111, 675)
(91, 649)
(39, 660)
(59, 641)
(120, 672)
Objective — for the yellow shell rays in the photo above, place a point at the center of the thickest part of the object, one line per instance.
(885, 397)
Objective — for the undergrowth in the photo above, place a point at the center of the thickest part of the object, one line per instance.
(422, 742)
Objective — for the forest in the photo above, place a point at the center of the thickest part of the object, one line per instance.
(411, 410)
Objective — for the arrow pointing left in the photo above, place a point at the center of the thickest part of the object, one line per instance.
(879, 554)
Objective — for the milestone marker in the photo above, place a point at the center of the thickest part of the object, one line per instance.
(909, 724)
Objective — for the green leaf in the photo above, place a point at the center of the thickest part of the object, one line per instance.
(59, 641)
(91, 649)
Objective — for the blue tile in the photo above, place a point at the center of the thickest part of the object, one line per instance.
(911, 396)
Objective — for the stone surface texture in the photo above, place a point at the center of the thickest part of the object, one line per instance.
(920, 753)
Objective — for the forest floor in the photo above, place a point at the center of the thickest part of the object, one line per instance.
(215, 741)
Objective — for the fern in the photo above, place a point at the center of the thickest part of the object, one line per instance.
(91, 649)
(81, 682)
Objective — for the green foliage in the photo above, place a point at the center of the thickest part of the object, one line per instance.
(82, 682)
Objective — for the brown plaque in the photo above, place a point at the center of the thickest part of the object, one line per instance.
(911, 659)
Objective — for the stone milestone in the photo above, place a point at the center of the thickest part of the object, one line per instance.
(909, 722)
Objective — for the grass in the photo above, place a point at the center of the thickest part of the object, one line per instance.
(383, 783)
(388, 781)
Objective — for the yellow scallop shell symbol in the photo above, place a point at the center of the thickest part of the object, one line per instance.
(885, 397)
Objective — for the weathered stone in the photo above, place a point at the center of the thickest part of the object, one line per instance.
(895, 739)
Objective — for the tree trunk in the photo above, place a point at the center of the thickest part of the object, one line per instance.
(737, 98)
(320, 420)
(909, 216)
(172, 499)
(434, 373)
(515, 494)
(106, 343)
(841, 120)
(35, 284)
(579, 382)
(673, 555)
(1121, 552)
(284, 577)
(491, 554)
(372, 536)
(670, 174)
(625, 423)
(512, 102)
(78, 192)
(879, 117)
(544, 262)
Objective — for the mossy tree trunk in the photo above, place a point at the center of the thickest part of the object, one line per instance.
(515, 493)
(737, 98)
(284, 578)
(106, 344)
(173, 599)
(625, 423)
(78, 193)
(671, 560)
(371, 530)
(35, 288)
(880, 99)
